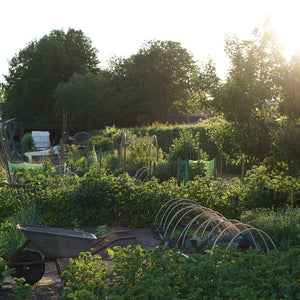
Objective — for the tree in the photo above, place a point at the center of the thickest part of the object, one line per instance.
(88, 100)
(150, 81)
(257, 68)
(37, 69)
(254, 80)
(205, 84)
(290, 104)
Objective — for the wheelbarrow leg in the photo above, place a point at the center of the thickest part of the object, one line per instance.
(58, 269)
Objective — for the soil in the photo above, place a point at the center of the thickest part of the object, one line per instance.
(50, 286)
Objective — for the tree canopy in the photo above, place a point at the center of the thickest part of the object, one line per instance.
(290, 104)
(152, 80)
(253, 83)
(37, 69)
(89, 101)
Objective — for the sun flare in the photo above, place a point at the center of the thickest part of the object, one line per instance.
(287, 26)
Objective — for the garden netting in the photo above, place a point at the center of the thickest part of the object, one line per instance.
(209, 166)
(13, 167)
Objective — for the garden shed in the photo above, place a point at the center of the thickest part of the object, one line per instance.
(41, 139)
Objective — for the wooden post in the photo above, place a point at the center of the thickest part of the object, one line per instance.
(64, 159)
(120, 157)
(215, 168)
(5, 160)
(123, 147)
(243, 170)
(149, 169)
(100, 157)
(178, 170)
(221, 164)
(124, 158)
(187, 171)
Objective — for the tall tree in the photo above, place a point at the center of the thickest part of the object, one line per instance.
(257, 68)
(205, 85)
(290, 104)
(254, 81)
(152, 80)
(89, 101)
(37, 69)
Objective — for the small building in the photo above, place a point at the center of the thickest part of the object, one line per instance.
(41, 139)
(14, 132)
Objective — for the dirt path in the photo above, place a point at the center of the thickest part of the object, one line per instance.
(50, 286)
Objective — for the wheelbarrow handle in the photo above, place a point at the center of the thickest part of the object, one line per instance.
(19, 250)
(107, 236)
(112, 242)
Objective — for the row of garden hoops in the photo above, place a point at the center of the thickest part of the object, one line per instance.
(185, 224)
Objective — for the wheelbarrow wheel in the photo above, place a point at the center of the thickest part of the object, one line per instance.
(32, 273)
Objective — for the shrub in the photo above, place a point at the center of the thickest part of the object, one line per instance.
(270, 190)
(21, 290)
(4, 271)
(221, 195)
(197, 168)
(108, 138)
(27, 143)
(105, 143)
(139, 154)
(283, 226)
(104, 199)
(186, 148)
(85, 278)
(110, 162)
(10, 237)
(164, 170)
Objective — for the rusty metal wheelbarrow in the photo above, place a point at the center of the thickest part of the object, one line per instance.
(53, 244)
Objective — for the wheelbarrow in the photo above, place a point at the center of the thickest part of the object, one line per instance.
(53, 244)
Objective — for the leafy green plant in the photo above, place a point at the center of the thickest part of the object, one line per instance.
(76, 225)
(85, 278)
(10, 237)
(4, 271)
(196, 169)
(282, 225)
(21, 290)
(105, 143)
(128, 266)
(265, 189)
(101, 231)
(157, 274)
(138, 154)
(110, 162)
(27, 143)
(29, 176)
(164, 170)
(48, 167)
(185, 148)
(108, 138)
(80, 166)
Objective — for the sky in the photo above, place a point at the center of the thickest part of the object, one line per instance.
(120, 27)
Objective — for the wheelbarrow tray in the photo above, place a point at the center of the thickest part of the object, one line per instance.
(57, 243)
